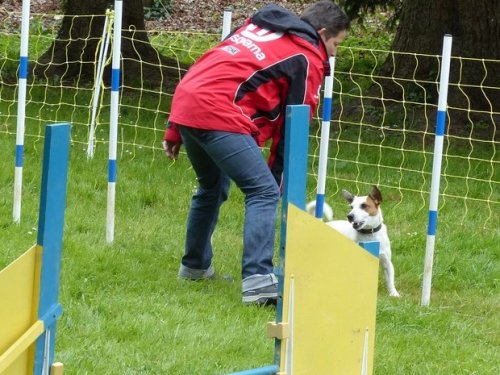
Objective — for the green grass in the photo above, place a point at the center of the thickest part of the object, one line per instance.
(125, 311)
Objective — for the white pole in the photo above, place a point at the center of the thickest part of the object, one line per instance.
(364, 361)
(46, 354)
(324, 142)
(113, 121)
(436, 169)
(226, 22)
(103, 52)
(289, 345)
(21, 111)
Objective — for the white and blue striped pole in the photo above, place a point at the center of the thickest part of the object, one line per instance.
(436, 169)
(226, 22)
(21, 111)
(113, 121)
(103, 52)
(324, 141)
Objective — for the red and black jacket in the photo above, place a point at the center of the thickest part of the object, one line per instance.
(244, 84)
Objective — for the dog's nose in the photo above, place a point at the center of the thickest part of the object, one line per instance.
(350, 217)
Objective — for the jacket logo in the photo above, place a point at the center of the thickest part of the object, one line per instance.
(231, 50)
(248, 38)
(262, 35)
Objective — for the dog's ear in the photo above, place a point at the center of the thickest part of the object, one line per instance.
(376, 195)
(347, 196)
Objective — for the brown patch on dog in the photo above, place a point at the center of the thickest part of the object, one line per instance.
(371, 206)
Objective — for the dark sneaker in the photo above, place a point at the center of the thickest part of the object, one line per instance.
(194, 274)
(266, 295)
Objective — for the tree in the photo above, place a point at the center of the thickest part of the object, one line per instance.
(73, 53)
(475, 27)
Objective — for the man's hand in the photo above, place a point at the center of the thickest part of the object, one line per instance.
(172, 149)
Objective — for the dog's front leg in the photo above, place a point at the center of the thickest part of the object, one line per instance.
(385, 260)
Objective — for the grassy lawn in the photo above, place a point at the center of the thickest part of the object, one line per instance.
(126, 312)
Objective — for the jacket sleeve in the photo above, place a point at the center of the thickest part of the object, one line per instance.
(172, 133)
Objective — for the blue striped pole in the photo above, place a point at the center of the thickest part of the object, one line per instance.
(50, 235)
(325, 138)
(21, 111)
(113, 121)
(436, 170)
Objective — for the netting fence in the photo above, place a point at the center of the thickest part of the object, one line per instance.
(382, 126)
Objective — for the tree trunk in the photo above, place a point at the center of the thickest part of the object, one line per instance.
(474, 83)
(72, 56)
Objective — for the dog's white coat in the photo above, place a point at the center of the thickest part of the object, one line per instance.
(365, 215)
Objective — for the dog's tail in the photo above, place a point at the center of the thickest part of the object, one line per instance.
(327, 210)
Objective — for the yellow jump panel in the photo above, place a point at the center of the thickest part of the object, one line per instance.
(19, 290)
(334, 298)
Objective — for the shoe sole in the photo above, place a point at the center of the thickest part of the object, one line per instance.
(211, 277)
(262, 298)
(225, 278)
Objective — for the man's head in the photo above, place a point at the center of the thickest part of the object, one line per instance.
(330, 22)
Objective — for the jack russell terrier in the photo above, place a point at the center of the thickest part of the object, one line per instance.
(365, 223)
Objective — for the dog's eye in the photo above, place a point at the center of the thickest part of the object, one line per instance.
(364, 206)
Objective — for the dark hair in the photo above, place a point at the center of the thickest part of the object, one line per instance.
(326, 14)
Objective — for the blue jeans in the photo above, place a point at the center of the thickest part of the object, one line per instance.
(218, 157)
